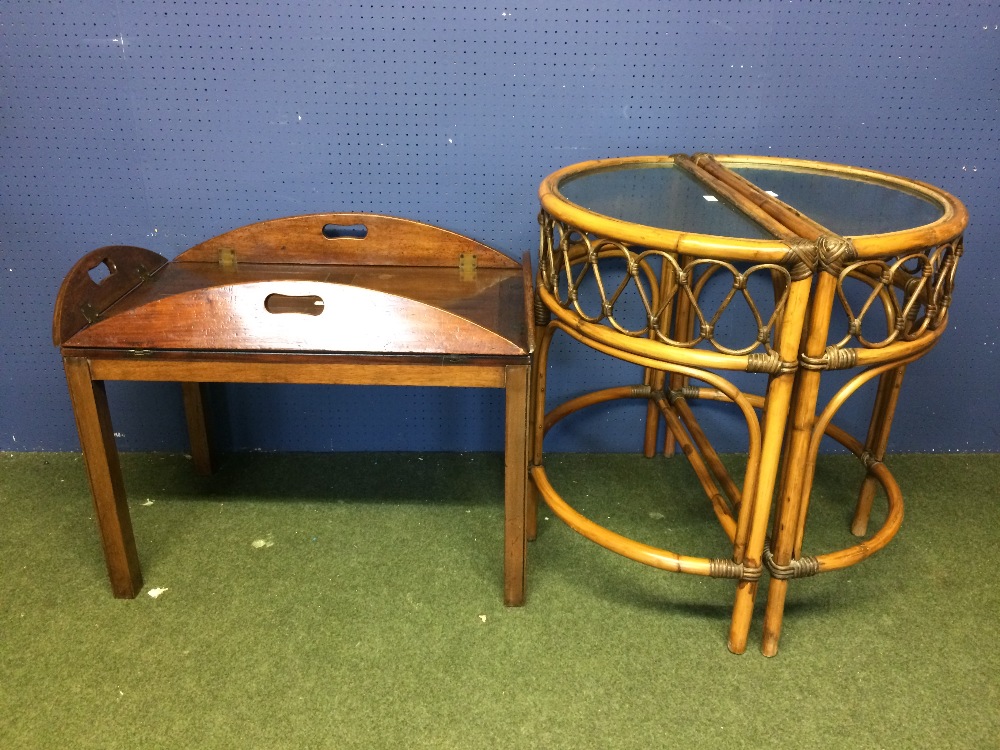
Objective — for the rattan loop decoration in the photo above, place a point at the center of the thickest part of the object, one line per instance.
(909, 295)
(575, 269)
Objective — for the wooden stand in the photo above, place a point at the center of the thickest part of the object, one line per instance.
(349, 299)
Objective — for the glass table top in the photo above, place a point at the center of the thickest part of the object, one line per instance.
(845, 206)
(663, 196)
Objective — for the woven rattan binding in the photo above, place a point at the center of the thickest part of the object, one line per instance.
(721, 568)
(802, 567)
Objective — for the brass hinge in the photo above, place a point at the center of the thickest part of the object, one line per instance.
(467, 266)
(89, 312)
(227, 257)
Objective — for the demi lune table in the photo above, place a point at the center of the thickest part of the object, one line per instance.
(346, 298)
(712, 271)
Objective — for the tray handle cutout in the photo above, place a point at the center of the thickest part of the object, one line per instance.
(279, 304)
(345, 231)
(101, 271)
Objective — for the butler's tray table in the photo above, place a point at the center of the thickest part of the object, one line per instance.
(358, 299)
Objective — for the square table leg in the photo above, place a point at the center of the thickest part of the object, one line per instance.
(196, 413)
(93, 421)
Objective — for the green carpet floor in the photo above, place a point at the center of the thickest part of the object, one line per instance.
(354, 601)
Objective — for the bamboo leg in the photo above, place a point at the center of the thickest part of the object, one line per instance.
(93, 421)
(515, 483)
(778, 398)
(797, 482)
(654, 379)
(780, 393)
(669, 443)
(878, 439)
(784, 531)
(683, 322)
(697, 459)
(708, 453)
(199, 437)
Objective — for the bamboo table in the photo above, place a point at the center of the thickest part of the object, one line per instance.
(700, 268)
(330, 299)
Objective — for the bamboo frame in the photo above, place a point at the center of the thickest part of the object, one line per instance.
(809, 266)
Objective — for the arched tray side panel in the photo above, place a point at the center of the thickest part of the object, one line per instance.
(98, 280)
(355, 239)
(293, 316)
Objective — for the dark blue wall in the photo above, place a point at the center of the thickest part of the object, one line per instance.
(165, 123)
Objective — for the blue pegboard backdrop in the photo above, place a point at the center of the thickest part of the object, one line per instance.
(163, 123)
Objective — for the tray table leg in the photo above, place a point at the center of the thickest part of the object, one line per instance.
(515, 483)
(195, 400)
(93, 421)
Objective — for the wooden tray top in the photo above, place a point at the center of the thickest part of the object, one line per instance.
(323, 283)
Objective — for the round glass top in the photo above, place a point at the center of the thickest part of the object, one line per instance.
(660, 196)
(664, 196)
